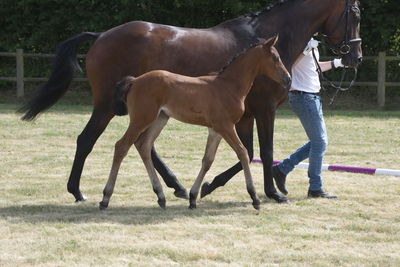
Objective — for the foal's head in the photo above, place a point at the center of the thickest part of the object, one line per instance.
(271, 64)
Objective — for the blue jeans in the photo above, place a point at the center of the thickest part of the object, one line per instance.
(308, 108)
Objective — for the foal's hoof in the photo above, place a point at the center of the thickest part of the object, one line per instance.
(161, 203)
(205, 189)
(182, 194)
(192, 206)
(103, 205)
(277, 197)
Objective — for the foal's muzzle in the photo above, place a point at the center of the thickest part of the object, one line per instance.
(286, 81)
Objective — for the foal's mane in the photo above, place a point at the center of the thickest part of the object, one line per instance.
(236, 56)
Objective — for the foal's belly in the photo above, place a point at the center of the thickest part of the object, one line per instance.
(190, 115)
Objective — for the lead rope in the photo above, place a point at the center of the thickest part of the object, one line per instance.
(337, 87)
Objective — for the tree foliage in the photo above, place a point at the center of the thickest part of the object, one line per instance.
(38, 25)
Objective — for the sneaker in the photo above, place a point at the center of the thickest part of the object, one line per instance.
(319, 193)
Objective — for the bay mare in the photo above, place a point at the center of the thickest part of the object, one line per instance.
(215, 101)
(137, 47)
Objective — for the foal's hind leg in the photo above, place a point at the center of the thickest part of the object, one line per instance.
(144, 145)
(121, 149)
(231, 137)
(213, 141)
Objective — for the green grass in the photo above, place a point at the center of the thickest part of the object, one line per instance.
(41, 226)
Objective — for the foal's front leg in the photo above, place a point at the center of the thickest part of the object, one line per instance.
(231, 137)
(213, 141)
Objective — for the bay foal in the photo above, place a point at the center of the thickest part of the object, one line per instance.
(215, 101)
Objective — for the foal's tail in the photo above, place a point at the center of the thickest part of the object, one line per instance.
(120, 93)
(60, 78)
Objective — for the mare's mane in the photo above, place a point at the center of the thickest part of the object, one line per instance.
(252, 15)
(266, 9)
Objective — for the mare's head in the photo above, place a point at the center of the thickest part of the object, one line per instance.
(271, 63)
(342, 29)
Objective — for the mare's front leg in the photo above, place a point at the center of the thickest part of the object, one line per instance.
(265, 130)
(244, 129)
(231, 137)
(213, 141)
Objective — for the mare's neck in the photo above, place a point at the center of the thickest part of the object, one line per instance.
(295, 23)
(242, 71)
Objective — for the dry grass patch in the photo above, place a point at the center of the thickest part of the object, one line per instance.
(41, 226)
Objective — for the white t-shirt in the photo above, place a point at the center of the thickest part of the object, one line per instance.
(304, 74)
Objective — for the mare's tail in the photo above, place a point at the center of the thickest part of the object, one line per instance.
(120, 93)
(60, 78)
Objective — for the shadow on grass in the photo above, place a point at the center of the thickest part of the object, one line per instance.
(132, 215)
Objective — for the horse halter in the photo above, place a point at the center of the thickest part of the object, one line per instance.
(343, 48)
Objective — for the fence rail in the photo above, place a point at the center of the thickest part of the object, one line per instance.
(20, 79)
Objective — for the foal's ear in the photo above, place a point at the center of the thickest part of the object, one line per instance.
(271, 41)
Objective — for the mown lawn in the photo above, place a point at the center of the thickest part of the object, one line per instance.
(40, 225)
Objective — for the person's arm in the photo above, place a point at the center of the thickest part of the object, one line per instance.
(328, 65)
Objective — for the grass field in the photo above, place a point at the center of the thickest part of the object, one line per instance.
(41, 226)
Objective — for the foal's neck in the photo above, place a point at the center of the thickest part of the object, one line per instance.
(242, 71)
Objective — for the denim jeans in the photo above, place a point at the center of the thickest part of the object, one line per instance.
(308, 108)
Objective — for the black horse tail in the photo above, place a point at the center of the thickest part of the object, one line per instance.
(60, 78)
(120, 93)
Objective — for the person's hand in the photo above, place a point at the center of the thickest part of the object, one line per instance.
(337, 63)
(312, 44)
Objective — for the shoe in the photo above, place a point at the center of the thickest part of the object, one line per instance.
(280, 179)
(319, 193)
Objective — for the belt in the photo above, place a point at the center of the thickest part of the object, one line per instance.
(297, 92)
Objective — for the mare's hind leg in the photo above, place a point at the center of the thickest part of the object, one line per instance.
(213, 141)
(168, 176)
(231, 137)
(85, 142)
(244, 129)
(144, 145)
(121, 149)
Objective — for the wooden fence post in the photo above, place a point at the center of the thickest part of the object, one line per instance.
(381, 78)
(20, 72)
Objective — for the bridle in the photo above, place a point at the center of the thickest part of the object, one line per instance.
(342, 48)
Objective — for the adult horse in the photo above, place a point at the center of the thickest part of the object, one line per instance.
(138, 47)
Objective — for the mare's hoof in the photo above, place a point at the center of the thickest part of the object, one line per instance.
(79, 197)
(278, 197)
(256, 204)
(182, 194)
(103, 205)
(205, 189)
(192, 206)
(161, 203)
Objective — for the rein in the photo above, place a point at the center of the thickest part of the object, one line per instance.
(340, 49)
(330, 83)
